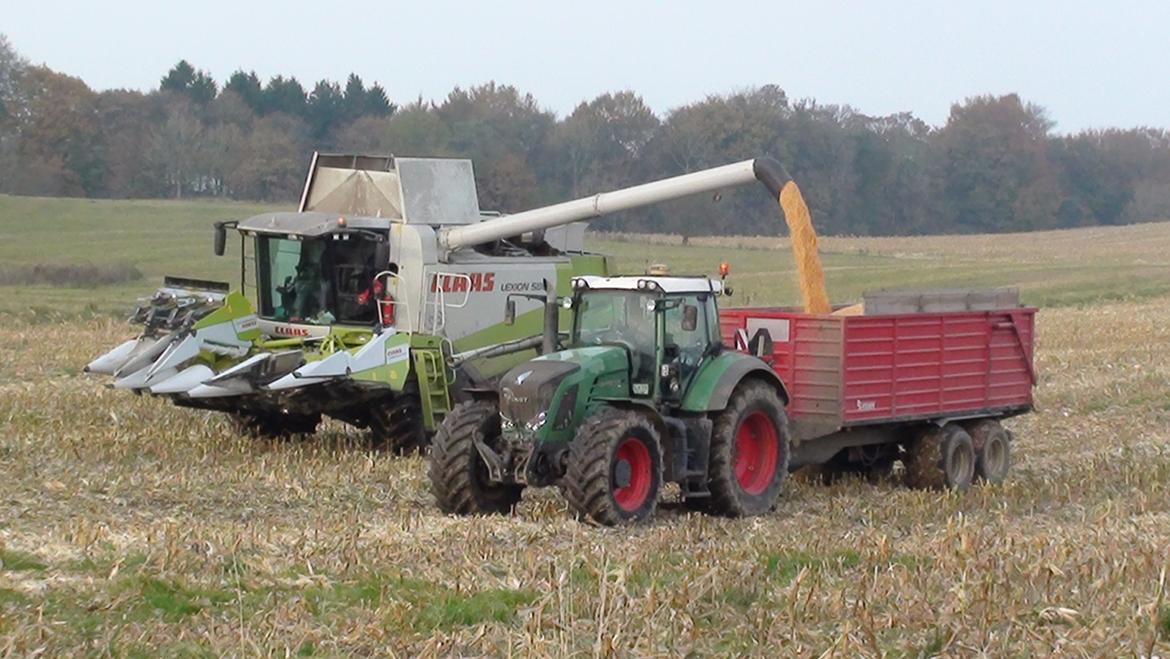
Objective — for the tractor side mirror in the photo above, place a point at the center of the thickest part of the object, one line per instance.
(220, 238)
(510, 312)
(690, 319)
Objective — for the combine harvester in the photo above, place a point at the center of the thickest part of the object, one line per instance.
(380, 302)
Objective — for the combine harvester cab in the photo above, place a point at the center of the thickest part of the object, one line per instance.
(351, 307)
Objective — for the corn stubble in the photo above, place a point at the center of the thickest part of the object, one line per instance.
(130, 525)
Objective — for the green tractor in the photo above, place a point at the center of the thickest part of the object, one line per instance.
(642, 392)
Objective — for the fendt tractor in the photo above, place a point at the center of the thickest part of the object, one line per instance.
(379, 302)
(645, 390)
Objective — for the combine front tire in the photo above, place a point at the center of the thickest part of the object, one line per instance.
(396, 424)
(993, 454)
(615, 468)
(749, 452)
(941, 458)
(459, 476)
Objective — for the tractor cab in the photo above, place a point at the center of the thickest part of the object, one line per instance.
(665, 325)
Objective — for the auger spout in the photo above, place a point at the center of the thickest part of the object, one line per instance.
(765, 170)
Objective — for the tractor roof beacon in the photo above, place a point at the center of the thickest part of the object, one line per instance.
(642, 393)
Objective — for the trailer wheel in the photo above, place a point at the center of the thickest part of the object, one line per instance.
(274, 425)
(941, 458)
(459, 476)
(749, 452)
(615, 468)
(396, 424)
(993, 456)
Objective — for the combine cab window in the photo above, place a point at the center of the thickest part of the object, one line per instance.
(317, 282)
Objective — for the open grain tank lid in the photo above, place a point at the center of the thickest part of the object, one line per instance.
(434, 191)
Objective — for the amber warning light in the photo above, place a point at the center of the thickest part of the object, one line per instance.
(724, 269)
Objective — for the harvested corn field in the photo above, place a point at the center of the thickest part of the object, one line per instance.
(131, 525)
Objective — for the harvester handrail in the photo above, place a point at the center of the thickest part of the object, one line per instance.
(399, 300)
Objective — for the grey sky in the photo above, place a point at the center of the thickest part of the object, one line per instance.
(1091, 64)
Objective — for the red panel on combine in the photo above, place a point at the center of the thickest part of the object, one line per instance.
(846, 371)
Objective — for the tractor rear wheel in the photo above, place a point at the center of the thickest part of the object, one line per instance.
(749, 452)
(274, 425)
(615, 468)
(459, 476)
(941, 458)
(993, 453)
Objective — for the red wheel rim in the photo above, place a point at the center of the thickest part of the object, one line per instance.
(756, 453)
(633, 452)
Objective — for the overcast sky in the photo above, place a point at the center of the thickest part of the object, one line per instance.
(1091, 64)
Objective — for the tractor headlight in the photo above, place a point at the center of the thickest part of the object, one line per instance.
(537, 422)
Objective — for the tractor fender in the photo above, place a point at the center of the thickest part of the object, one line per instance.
(717, 379)
(643, 408)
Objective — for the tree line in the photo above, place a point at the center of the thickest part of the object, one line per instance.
(995, 165)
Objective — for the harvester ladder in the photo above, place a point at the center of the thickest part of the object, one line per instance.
(433, 384)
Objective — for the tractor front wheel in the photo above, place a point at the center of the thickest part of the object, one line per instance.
(459, 476)
(749, 452)
(941, 458)
(615, 468)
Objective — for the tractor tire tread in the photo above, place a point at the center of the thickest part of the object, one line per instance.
(726, 499)
(454, 459)
(587, 480)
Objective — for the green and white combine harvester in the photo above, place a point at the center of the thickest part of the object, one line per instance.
(383, 301)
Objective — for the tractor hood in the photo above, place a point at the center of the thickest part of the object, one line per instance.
(550, 386)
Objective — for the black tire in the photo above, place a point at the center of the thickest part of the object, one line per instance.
(459, 476)
(397, 425)
(941, 458)
(614, 473)
(274, 425)
(750, 447)
(993, 452)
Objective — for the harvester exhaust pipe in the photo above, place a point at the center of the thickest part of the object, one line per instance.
(551, 310)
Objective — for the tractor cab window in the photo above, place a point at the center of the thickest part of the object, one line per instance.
(317, 282)
(622, 318)
(687, 340)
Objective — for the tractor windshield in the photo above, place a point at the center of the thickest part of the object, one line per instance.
(618, 317)
(318, 282)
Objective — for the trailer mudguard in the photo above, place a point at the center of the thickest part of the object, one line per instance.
(718, 378)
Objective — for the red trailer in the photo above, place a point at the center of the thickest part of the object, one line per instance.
(900, 384)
